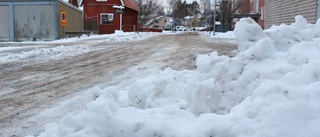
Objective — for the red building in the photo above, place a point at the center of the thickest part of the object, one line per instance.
(105, 16)
(253, 9)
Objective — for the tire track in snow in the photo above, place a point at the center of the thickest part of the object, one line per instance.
(62, 74)
(34, 85)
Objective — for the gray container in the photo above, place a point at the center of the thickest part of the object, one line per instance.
(31, 20)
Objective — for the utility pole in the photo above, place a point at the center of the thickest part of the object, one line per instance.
(214, 18)
(209, 13)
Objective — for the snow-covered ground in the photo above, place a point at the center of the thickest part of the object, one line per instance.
(219, 35)
(270, 88)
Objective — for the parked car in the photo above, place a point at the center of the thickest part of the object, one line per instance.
(167, 29)
(181, 28)
(201, 28)
(189, 28)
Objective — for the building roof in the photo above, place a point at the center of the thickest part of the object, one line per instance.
(65, 2)
(132, 4)
(69, 5)
(74, 3)
(25, 0)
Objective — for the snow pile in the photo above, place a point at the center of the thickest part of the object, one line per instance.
(261, 92)
(129, 36)
(60, 52)
(284, 36)
(46, 53)
(228, 34)
(116, 37)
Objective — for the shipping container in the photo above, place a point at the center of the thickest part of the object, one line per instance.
(31, 20)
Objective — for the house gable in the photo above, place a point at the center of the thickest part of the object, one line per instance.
(132, 4)
(101, 16)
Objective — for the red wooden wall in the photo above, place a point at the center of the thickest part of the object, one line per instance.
(130, 20)
(93, 8)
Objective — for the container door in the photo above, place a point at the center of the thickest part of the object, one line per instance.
(4, 23)
(34, 22)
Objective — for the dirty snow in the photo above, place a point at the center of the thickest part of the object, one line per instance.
(44, 53)
(271, 88)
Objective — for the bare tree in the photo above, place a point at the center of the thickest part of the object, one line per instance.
(225, 9)
(172, 5)
(149, 9)
(194, 8)
(183, 9)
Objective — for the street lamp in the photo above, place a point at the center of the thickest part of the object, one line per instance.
(121, 8)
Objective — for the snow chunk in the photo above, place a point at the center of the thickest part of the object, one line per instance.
(248, 32)
(300, 22)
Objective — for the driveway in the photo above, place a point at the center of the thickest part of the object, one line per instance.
(27, 88)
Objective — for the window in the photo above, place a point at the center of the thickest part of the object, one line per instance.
(106, 18)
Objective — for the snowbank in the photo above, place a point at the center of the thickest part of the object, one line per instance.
(36, 54)
(118, 36)
(228, 34)
(284, 36)
(269, 89)
(129, 36)
(59, 52)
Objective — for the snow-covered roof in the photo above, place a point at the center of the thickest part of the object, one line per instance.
(151, 20)
(131, 4)
(218, 23)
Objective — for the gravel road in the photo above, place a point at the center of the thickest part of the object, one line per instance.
(28, 88)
